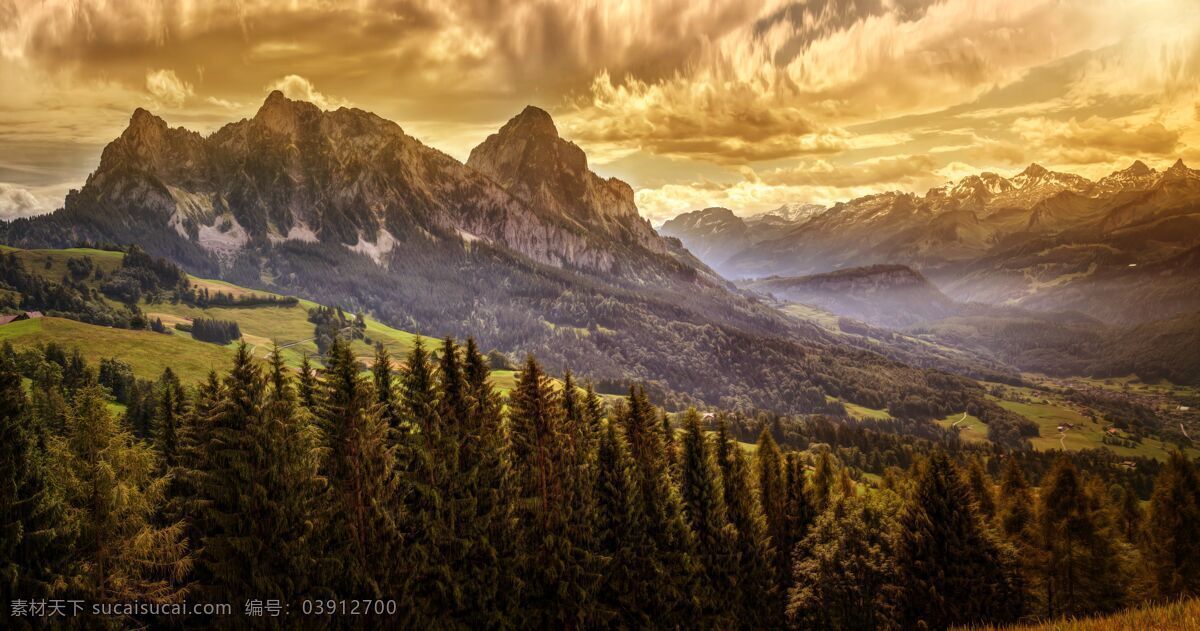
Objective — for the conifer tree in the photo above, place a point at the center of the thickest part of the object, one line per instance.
(487, 568)
(172, 406)
(704, 506)
(621, 538)
(1015, 513)
(980, 484)
(952, 570)
(554, 568)
(665, 570)
(773, 495)
(115, 492)
(756, 589)
(1173, 547)
(385, 394)
(800, 510)
(821, 486)
(1077, 554)
(35, 535)
(360, 468)
(425, 456)
(306, 384)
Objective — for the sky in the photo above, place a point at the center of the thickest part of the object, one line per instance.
(746, 104)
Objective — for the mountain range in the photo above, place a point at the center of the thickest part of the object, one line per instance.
(523, 247)
(1123, 248)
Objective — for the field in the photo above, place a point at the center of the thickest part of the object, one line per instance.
(1180, 615)
(970, 428)
(148, 352)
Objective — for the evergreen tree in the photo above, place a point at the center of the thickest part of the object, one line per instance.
(360, 468)
(1172, 544)
(799, 505)
(773, 495)
(115, 493)
(821, 487)
(556, 585)
(172, 406)
(755, 566)
(35, 535)
(704, 506)
(385, 393)
(621, 538)
(980, 484)
(1015, 513)
(306, 384)
(1077, 555)
(952, 570)
(664, 571)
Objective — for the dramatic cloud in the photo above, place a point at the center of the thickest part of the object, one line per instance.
(1096, 139)
(298, 88)
(818, 97)
(167, 89)
(18, 202)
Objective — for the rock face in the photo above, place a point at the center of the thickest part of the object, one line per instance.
(350, 178)
(530, 161)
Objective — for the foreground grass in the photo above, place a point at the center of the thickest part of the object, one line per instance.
(1179, 615)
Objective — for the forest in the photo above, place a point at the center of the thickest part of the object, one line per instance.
(420, 489)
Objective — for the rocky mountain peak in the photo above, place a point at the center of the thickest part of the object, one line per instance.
(1179, 169)
(283, 115)
(1138, 168)
(532, 121)
(529, 159)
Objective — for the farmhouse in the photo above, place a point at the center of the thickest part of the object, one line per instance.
(24, 315)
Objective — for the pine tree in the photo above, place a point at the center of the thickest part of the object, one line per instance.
(755, 566)
(36, 537)
(621, 538)
(1172, 545)
(952, 571)
(980, 484)
(1077, 555)
(773, 495)
(1015, 513)
(821, 487)
(665, 570)
(122, 555)
(360, 467)
(306, 384)
(424, 458)
(172, 406)
(556, 589)
(704, 506)
(800, 510)
(385, 394)
(487, 568)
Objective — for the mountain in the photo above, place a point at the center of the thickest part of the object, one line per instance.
(712, 234)
(892, 296)
(523, 248)
(793, 212)
(1040, 239)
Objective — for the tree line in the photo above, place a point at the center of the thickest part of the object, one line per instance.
(546, 507)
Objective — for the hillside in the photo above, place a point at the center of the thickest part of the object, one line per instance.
(885, 295)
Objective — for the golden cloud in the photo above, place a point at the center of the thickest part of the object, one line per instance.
(1096, 139)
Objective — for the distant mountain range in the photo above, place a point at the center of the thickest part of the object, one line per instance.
(1124, 248)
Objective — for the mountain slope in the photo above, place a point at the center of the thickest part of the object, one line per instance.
(528, 253)
(885, 295)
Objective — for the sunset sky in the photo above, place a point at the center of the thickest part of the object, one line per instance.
(740, 103)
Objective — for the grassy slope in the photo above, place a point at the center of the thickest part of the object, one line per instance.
(1180, 615)
(150, 352)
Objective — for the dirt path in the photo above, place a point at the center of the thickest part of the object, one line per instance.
(963, 418)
